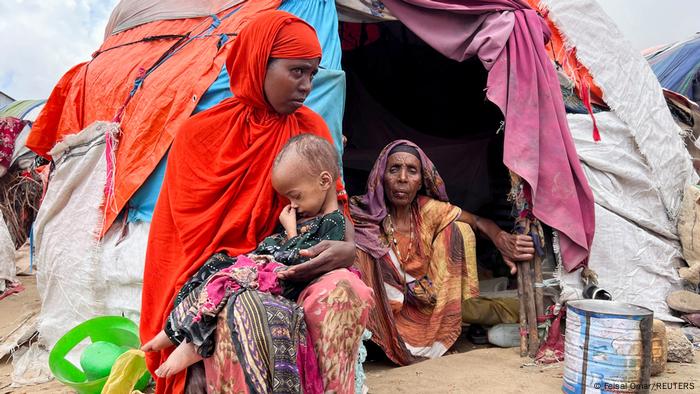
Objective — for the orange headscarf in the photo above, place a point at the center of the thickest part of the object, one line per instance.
(217, 194)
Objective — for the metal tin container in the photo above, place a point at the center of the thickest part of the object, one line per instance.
(607, 347)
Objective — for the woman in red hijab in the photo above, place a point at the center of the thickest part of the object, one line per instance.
(217, 196)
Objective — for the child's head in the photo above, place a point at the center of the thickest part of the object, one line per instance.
(305, 172)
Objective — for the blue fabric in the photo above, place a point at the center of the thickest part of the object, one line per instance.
(327, 97)
(322, 15)
(217, 92)
(144, 200)
(678, 68)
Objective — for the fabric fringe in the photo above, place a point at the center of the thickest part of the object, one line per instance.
(112, 135)
(568, 61)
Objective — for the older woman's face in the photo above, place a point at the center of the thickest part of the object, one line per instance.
(288, 83)
(402, 179)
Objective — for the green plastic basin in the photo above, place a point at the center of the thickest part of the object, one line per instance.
(115, 330)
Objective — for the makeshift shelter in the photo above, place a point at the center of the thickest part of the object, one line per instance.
(5, 99)
(678, 66)
(637, 172)
(469, 81)
(27, 110)
(20, 189)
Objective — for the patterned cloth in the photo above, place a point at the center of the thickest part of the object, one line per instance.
(9, 130)
(336, 308)
(326, 227)
(266, 333)
(408, 331)
(263, 347)
(194, 316)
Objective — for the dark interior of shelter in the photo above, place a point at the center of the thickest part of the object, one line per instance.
(398, 87)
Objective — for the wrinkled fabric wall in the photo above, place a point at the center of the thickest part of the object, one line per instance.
(632, 90)
(637, 172)
(636, 247)
(7, 255)
(66, 232)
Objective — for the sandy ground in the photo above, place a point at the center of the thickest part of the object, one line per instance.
(468, 369)
(493, 370)
(14, 309)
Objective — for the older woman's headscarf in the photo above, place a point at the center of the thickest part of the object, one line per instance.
(369, 210)
(217, 195)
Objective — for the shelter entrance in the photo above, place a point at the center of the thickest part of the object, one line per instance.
(398, 87)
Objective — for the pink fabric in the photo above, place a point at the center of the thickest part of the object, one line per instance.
(12, 288)
(246, 272)
(307, 363)
(336, 309)
(552, 349)
(9, 130)
(509, 38)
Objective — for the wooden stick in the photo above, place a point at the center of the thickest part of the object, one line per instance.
(521, 311)
(537, 266)
(539, 297)
(532, 337)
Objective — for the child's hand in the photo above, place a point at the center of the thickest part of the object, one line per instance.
(288, 219)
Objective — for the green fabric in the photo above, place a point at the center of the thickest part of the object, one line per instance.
(19, 108)
(490, 311)
(310, 233)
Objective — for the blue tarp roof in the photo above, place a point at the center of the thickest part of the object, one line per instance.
(678, 67)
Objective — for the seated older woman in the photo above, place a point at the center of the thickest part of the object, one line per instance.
(417, 251)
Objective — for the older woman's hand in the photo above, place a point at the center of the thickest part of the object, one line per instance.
(325, 257)
(514, 248)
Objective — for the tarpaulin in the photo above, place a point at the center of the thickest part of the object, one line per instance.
(20, 108)
(327, 97)
(132, 13)
(509, 39)
(631, 90)
(96, 90)
(678, 67)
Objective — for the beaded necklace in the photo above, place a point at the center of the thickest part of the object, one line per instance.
(395, 242)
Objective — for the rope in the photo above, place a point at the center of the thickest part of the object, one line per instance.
(145, 39)
(183, 41)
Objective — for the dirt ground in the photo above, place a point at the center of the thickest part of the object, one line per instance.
(15, 309)
(469, 369)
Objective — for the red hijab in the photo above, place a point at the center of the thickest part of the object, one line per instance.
(217, 194)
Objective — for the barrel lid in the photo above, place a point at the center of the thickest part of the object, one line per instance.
(609, 308)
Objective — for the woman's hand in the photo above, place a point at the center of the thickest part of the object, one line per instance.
(325, 257)
(514, 248)
(288, 219)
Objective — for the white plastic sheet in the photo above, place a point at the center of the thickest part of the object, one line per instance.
(30, 365)
(7, 255)
(632, 90)
(65, 233)
(637, 172)
(636, 249)
(122, 259)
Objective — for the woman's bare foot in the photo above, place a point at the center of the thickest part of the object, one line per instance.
(183, 356)
(159, 342)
